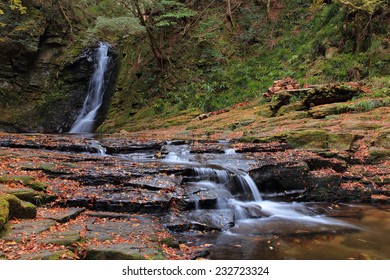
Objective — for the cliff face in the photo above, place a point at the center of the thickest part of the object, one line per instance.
(43, 74)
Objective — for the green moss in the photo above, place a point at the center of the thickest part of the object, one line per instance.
(4, 212)
(379, 154)
(38, 186)
(35, 197)
(170, 242)
(307, 139)
(20, 209)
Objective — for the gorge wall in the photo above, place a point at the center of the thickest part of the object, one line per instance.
(44, 71)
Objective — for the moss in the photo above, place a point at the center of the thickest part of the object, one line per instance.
(378, 154)
(35, 197)
(20, 209)
(25, 180)
(170, 242)
(38, 186)
(308, 139)
(4, 212)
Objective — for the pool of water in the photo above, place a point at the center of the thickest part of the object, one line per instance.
(352, 232)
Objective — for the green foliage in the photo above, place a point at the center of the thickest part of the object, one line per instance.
(14, 5)
(119, 26)
(368, 6)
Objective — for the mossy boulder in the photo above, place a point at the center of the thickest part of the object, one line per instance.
(4, 212)
(20, 209)
(27, 181)
(330, 94)
(13, 207)
(122, 252)
(35, 197)
(320, 139)
(383, 139)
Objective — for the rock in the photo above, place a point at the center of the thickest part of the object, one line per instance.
(155, 182)
(27, 228)
(123, 251)
(205, 195)
(50, 255)
(34, 197)
(319, 139)
(66, 238)
(200, 220)
(281, 177)
(60, 215)
(20, 209)
(330, 94)
(4, 212)
(291, 228)
(134, 202)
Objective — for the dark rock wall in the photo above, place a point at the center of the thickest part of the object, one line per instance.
(44, 70)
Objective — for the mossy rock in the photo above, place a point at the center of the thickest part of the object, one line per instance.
(297, 106)
(4, 212)
(20, 209)
(35, 197)
(122, 252)
(383, 140)
(170, 242)
(379, 154)
(320, 139)
(317, 139)
(38, 186)
(27, 181)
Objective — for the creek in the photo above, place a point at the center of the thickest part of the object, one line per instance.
(206, 192)
(272, 229)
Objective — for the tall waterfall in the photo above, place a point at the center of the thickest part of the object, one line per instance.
(86, 120)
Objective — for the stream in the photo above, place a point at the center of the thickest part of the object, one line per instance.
(269, 229)
(224, 196)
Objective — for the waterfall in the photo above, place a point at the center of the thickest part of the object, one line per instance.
(86, 119)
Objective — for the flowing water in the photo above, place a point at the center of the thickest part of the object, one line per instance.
(85, 121)
(266, 229)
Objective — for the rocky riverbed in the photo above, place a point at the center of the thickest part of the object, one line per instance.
(113, 197)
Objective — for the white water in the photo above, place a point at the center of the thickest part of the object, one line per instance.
(216, 176)
(86, 120)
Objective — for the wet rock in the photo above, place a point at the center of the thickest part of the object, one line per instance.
(291, 228)
(202, 196)
(337, 210)
(156, 182)
(135, 202)
(281, 177)
(61, 215)
(125, 145)
(254, 211)
(203, 220)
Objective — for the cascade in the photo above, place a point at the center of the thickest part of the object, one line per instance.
(237, 190)
(86, 119)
